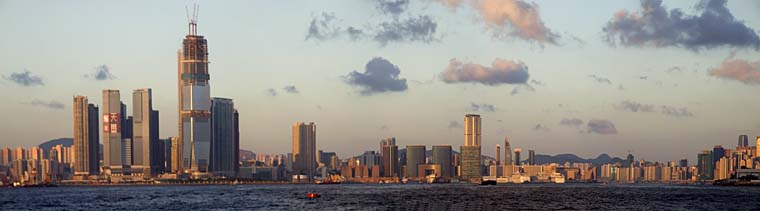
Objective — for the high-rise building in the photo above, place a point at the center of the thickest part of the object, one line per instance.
(757, 147)
(335, 162)
(390, 157)
(498, 154)
(194, 102)
(19, 153)
(65, 155)
(387, 142)
(127, 152)
(176, 155)
(304, 149)
(722, 167)
(531, 157)
(472, 130)
(442, 156)
(35, 153)
(112, 122)
(717, 153)
(144, 132)
(6, 156)
(326, 158)
(236, 142)
(743, 141)
(126, 122)
(415, 155)
(507, 152)
(166, 151)
(705, 165)
(470, 166)
(471, 151)
(683, 163)
(157, 147)
(223, 154)
(86, 137)
(517, 156)
(369, 159)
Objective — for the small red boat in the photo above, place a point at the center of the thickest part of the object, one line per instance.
(312, 195)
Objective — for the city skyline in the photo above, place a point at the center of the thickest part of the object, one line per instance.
(622, 116)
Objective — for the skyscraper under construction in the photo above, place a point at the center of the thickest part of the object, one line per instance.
(194, 102)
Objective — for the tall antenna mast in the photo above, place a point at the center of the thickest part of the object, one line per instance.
(193, 19)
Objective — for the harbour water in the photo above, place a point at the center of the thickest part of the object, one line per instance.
(384, 197)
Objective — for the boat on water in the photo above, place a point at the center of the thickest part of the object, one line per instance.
(332, 179)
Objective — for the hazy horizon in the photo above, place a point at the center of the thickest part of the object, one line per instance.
(580, 77)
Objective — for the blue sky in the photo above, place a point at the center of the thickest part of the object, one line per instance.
(661, 98)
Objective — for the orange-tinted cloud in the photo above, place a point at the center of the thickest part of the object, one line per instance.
(511, 18)
(501, 72)
(739, 70)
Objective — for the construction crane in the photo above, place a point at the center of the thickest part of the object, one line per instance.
(193, 20)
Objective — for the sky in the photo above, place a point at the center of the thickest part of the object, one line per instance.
(660, 79)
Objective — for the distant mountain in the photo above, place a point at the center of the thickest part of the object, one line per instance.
(571, 158)
(429, 153)
(545, 159)
(46, 146)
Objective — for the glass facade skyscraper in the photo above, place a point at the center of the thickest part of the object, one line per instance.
(705, 165)
(112, 129)
(531, 157)
(743, 141)
(507, 152)
(442, 156)
(194, 102)
(415, 155)
(223, 130)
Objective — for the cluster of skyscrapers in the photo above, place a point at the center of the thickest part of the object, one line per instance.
(441, 164)
(112, 145)
(130, 143)
(208, 141)
(722, 164)
(36, 165)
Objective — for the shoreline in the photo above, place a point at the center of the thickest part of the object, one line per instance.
(600, 184)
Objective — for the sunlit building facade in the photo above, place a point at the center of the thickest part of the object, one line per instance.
(112, 128)
(390, 158)
(194, 102)
(471, 151)
(86, 138)
(144, 132)
(304, 149)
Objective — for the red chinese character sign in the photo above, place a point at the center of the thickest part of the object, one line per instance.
(111, 123)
